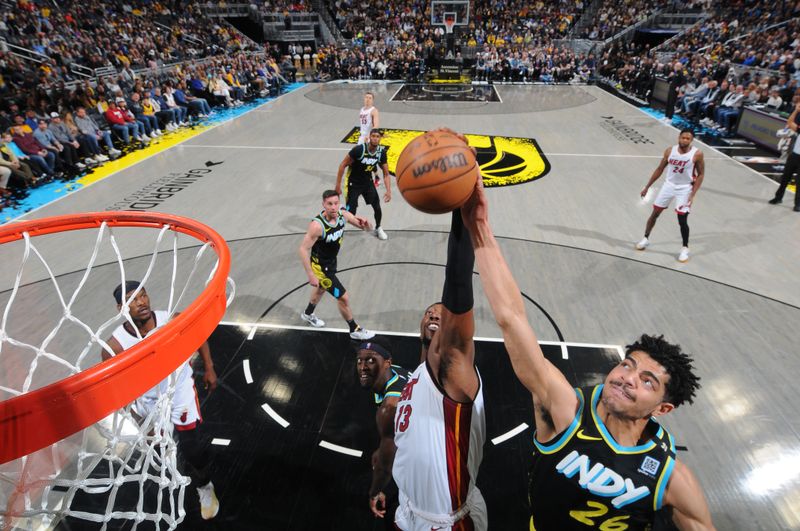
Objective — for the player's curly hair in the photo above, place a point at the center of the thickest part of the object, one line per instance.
(683, 383)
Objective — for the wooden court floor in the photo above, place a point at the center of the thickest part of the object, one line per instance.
(568, 234)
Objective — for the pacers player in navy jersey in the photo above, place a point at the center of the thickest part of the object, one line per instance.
(362, 161)
(685, 173)
(601, 460)
(318, 252)
(386, 381)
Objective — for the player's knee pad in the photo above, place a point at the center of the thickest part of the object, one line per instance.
(683, 218)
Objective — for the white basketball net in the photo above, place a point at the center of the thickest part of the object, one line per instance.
(125, 465)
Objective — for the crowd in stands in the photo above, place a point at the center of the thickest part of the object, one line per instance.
(134, 34)
(509, 40)
(613, 17)
(53, 125)
(746, 53)
(284, 6)
(59, 133)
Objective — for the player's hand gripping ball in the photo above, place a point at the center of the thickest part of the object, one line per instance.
(437, 171)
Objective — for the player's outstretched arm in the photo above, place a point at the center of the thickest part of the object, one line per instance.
(384, 456)
(550, 389)
(452, 350)
(356, 221)
(314, 231)
(689, 507)
(657, 172)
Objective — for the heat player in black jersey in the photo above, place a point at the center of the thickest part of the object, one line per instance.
(318, 253)
(386, 381)
(601, 459)
(363, 160)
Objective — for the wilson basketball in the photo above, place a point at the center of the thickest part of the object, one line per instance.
(436, 172)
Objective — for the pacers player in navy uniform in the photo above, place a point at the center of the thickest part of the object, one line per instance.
(318, 252)
(601, 459)
(386, 381)
(362, 161)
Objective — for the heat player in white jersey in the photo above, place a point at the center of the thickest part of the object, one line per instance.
(685, 172)
(440, 422)
(185, 412)
(368, 118)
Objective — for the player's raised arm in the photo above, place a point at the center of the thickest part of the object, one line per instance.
(550, 389)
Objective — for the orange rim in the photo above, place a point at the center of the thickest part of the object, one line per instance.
(43, 417)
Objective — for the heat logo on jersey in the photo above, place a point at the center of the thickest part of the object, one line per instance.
(504, 160)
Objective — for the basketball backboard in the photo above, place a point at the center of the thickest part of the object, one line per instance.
(458, 8)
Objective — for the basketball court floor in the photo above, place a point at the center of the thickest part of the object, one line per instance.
(293, 431)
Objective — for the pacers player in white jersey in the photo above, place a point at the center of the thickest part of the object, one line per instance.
(685, 173)
(185, 413)
(440, 422)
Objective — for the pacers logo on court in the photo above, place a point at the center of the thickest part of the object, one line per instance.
(504, 160)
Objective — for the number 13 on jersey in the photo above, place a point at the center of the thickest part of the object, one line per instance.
(402, 417)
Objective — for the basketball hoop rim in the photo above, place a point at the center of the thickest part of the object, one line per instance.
(46, 415)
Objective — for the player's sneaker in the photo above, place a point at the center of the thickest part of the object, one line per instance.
(380, 234)
(312, 319)
(684, 256)
(362, 334)
(642, 244)
(209, 504)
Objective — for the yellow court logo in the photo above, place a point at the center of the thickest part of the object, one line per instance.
(504, 160)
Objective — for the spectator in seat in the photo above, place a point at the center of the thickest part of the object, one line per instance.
(288, 68)
(179, 111)
(149, 120)
(42, 159)
(141, 129)
(66, 155)
(199, 106)
(775, 101)
(91, 133)
(116, 119)
(66, 138)
(14, 159)
(150, 107)
(729, 110)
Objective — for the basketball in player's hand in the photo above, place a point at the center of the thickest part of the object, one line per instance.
(436, 172)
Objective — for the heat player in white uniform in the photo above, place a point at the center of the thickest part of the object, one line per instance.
(185, 412)
(685, 172)
(440, 422)
(368, 118)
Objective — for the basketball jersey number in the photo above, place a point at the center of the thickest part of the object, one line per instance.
(364, 119)
(677, 169)
(595, 510)
(403, 414)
